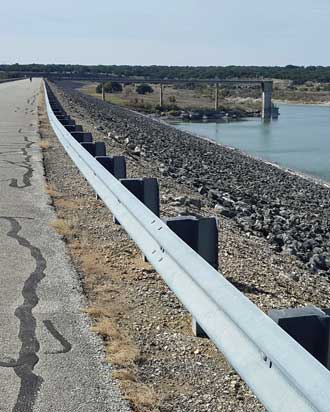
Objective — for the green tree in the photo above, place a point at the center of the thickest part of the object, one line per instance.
(144, 88)
(172, 99)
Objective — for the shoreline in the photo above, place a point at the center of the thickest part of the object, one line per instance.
(301, 103)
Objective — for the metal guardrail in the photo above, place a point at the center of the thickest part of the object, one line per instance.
(280, 372)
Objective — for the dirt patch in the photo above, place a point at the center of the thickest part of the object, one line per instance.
(44, 145)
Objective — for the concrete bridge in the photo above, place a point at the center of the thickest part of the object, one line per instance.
(266, 88)
(266, 85)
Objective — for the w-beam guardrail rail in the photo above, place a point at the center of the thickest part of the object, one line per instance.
(280, 372)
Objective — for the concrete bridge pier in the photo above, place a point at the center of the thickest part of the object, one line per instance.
(267, 91)
(103, 92)
(216, 101)
(161, 95)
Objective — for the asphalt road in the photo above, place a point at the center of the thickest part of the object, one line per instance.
(49, 360)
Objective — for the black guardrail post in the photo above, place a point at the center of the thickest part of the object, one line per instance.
(66, 121)
(116, 165)
(81, 137)
(146, 190)
(62, 116)
(201, 234)
(59, 112)
(310, 327)
(56, 106)
(74, 128)
(95, 149)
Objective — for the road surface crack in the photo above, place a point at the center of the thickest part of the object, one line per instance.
(27, 359)
(29, 170)
(56, 334)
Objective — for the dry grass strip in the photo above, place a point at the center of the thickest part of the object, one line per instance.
(62, 227)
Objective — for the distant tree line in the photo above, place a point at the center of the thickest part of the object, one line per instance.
(8, 75)
(299, 74)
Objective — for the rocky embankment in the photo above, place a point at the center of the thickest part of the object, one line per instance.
(291, 212)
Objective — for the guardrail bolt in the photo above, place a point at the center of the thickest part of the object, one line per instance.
(202, 236)
(310, 327)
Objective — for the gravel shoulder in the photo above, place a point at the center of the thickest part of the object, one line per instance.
(147, 334)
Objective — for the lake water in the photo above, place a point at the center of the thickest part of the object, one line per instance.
(298, 140)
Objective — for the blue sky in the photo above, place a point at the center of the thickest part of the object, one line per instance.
(170, 32)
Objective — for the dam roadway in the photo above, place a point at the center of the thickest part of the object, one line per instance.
(49, 360)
